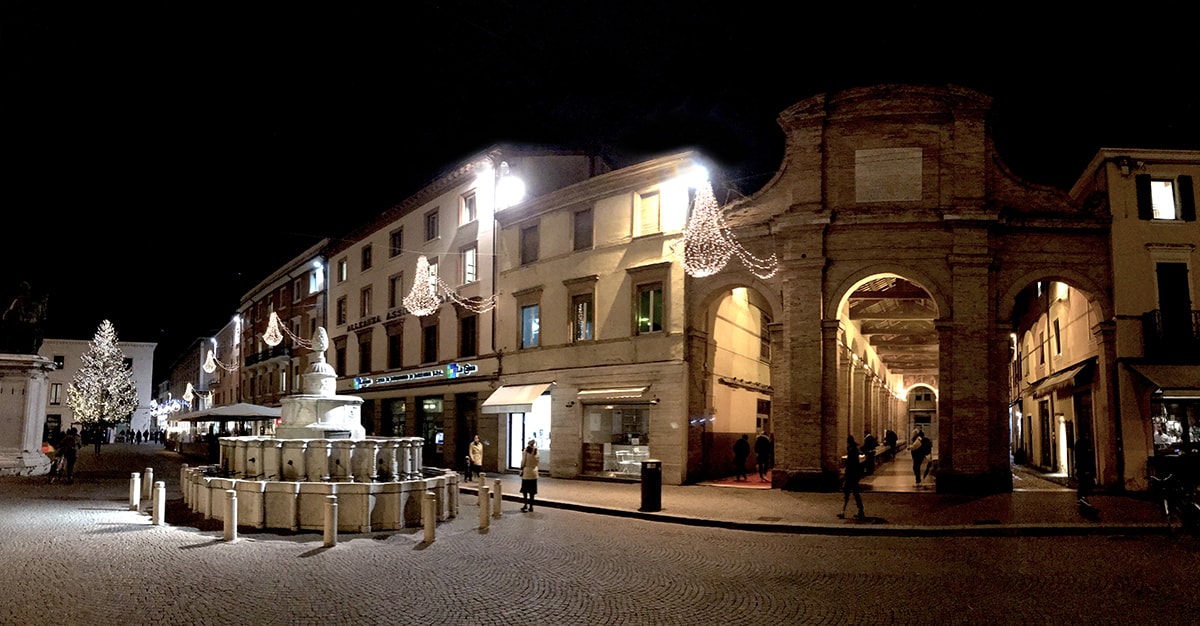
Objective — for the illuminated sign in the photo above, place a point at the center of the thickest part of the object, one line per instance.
(453, 370)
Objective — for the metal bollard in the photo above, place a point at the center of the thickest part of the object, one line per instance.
(160, 503)
(483, 507)
(147, 484)
(429, 514)
(331, 521)
(135, 491)
(497, 498)
(230, 515)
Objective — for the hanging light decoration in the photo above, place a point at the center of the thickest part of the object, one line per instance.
(211, 363)
(708, 244)
(275, 331)
(475, 305)
(422, 299)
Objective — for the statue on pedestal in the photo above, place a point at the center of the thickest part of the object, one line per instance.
(21, 326)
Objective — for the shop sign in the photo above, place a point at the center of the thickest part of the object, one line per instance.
(451, 371)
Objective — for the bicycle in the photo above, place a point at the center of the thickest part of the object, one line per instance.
(1180, 509)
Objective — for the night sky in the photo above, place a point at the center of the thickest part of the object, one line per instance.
(140, 139)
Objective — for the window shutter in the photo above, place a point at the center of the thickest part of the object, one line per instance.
(1187, 199)
(1144, 201)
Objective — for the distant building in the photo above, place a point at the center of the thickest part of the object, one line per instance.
(67, 355)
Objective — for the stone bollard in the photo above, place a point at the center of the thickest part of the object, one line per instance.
(230, 514)
(429, 514)
(160, 503)
(483, 507)
(331, 521)
(479, 490)
(147, 484)
(183, 482)
(497, 498)
(135, 491)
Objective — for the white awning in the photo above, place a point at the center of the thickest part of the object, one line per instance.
(613, 394)
(514, 398)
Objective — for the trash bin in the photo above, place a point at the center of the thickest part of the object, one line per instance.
(651, 485)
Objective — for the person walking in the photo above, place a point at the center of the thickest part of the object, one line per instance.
(850, 482)
(474, 458)
(529, 475)
(869, 445)
(68, 448)
(1085, 471)
(763, 448)
(741, 451)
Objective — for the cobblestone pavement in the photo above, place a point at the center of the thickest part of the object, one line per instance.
(76, 554)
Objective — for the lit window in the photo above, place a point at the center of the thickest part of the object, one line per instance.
(530, 326)
(364, 303)
(649, 308)
(468, 208)
(56, 393)
(469, 267)
(341, 270)
(582, 317)
(1165, 199)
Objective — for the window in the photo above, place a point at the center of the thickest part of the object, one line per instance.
(395, 347)
(530, 326)
(366, 257)
(431, 225)
(1057, 339)
(55, 393)
(582, 317)
(1041, 348)
(341, 270)
(647, 206)
(468, 208)
(364, 353)
(469, 267)
(1165, 199)
(468, 336)
(59, 361)
(433, 273)
(315, 282)
(529, 244)
(395, 290)
(297, 289)
(340, 357)
(395, 242)
(649, 308)
(364, 303)
(341, 310)
(429, 350)
(582, 223)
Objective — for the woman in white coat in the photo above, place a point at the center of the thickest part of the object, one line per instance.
(529, 475)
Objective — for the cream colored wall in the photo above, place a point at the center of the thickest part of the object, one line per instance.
(736, 340)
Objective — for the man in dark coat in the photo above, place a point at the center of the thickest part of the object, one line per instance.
(763, 448)
(741, 452)
(853, 474)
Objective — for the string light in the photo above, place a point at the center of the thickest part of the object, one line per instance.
(211, 364)
(423, 300)
(708, 244)
(275, 331)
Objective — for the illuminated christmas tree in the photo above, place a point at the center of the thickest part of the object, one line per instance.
(103, 392)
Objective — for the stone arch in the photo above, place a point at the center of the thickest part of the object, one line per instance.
(1097, 294)
(838, 294)
(710, 289)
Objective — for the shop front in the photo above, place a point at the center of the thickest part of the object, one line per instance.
(616, 431)
(525, 409)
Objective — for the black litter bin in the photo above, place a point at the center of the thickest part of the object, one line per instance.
(651, 485)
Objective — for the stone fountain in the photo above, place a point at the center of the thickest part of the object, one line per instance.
(321, 449)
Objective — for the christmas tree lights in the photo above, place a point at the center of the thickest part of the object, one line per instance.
(708, 244)
(422, 299)
(103, 392)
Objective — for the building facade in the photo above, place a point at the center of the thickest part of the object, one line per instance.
(424, 364)
(67, 355)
